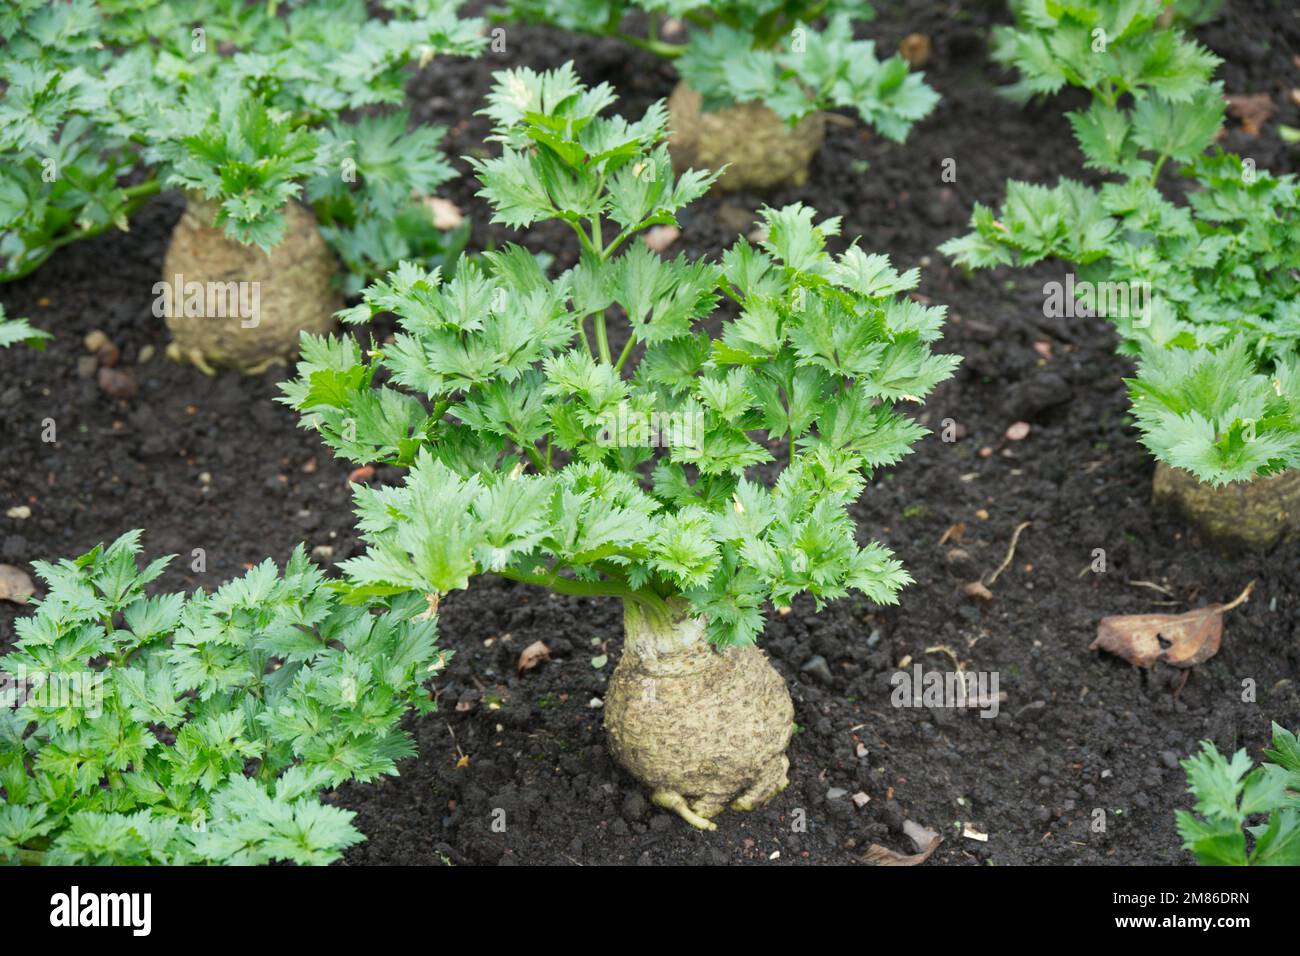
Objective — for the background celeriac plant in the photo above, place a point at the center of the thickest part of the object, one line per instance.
(1217, 390)
(1229, 794)
(138, 729)
(228, 100)
(761, 50)
(1108, 47)
(501, 385)
(66, 153)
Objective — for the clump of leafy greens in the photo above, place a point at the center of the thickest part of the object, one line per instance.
(1229, 794)
(230, 101)
(507, 409)
(1108, 47)
(161, 730)
(1212, 315)
(740, 51)
(64, 156)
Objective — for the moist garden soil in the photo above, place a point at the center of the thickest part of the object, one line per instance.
(214, 464)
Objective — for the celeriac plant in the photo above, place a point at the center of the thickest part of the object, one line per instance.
(740, 51)
(227, 100)
(1203, 293)
(541, 451)
(820, 352)
(1229, 794)
(162, 730)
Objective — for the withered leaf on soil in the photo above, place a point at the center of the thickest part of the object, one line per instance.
(15, 585)
(954, 533)
(531, 656)
(1253, 109)
(1188, 639)
(883, 856)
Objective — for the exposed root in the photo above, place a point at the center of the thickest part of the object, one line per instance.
(675, 802)
(1011, 552)
(766, 788)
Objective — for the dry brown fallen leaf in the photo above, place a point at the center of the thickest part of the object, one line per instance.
(659, 238)
(1191, 638)
(15, 585)
(954, 533)
(1253, 109)
(532, 655)
(431, 607)
(883, 856)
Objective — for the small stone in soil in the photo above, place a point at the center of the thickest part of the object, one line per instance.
(635, 807)
(108, 354)
(1030, 398)
(94, 341)
(117, 384)
(817, 667)
(957, 557)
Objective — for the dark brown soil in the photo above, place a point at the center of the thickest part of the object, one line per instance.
(213, 464)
